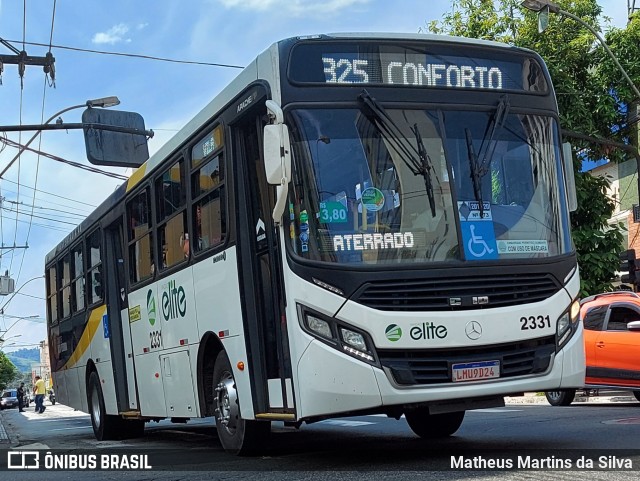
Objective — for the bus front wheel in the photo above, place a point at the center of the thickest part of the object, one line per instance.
(237, 436)
(433, 426)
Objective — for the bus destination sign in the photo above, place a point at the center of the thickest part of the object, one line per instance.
(416, 71)
(427, 65)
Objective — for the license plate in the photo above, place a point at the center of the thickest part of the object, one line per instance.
(475, 371)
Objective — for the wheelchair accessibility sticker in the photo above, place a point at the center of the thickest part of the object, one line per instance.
(477, 230)
(479, 240)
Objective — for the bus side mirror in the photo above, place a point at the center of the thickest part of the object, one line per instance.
(569, 177)
(277, 153)
(277, 157)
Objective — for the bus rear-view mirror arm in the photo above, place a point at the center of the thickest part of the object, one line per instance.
(277, 157)
(72, 126)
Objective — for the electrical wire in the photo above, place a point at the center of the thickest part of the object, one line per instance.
(95, 170)
(132, 55)
(93, 206)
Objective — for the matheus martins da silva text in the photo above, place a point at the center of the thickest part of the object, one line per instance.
(547, 462)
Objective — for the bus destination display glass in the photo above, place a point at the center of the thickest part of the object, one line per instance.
(429, 66)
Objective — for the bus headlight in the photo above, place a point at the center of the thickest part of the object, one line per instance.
(319, 327)
(567, 324)
(354, 339)
(338, 335)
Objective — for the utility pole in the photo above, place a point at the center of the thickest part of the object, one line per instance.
(22, 60)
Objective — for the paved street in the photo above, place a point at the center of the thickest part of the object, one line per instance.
(368, 444)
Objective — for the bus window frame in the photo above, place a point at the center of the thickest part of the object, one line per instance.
(131, 241)
(53, 266)
(222, 188)
(76, 276)
(157, 223)
(64, 257)
(90, 268)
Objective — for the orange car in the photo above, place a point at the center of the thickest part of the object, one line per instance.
(612, 344)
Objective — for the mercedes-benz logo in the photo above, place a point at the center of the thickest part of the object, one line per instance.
(473, 330)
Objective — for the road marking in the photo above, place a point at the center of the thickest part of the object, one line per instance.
(344, 423)
(66, 429)
(623, 421)
(495, 410)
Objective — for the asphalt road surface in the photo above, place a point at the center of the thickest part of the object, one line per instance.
(519, 441)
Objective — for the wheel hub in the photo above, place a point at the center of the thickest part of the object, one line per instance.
(227, 411)
(95, 407)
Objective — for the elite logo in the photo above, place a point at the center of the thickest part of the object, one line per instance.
(393, 332)
(174, 301)
(428, 331)
(151, 307)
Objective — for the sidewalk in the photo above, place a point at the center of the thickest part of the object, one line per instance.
(539, 398)
(4, 437)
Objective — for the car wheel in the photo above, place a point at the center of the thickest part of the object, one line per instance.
(562, 397)
(637, 395)
(433, 426)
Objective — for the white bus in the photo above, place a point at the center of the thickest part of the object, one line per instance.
(357, 224)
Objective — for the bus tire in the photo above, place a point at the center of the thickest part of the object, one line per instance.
(104, 426)
(637, 395)
(238, 436)
(561, 397)
(433, 426)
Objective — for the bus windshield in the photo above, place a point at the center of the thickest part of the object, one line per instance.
(387, 186)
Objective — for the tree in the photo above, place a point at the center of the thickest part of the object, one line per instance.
(8, 371)
(592, 100)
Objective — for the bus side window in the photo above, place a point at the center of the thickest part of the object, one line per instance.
(140, 239)
(94, 264)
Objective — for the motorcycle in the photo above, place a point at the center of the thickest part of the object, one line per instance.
(52, 397)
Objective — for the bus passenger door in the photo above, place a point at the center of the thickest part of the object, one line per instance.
(118, 312)
(261, 275)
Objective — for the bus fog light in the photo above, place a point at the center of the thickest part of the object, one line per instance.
(354, 339)
(319, 326)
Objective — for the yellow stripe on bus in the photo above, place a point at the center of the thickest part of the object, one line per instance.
(136, 177)
(95, 320)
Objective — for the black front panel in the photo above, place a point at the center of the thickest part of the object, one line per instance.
(433, 366)
(465, 292)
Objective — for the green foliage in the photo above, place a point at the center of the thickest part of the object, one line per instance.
(591, 94)
(8, 371)
(24, 358)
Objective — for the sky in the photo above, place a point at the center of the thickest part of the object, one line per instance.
(54, 197)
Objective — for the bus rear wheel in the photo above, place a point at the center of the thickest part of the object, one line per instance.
(433, 426)
(237, 436)
(563, 397)
(106, 426)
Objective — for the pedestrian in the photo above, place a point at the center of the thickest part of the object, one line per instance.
(39, 390)
(21, 397)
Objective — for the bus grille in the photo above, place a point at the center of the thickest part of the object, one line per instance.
(457, 293)
(433, 366)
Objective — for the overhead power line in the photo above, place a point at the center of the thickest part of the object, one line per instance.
(95, 170)
(51, 194)
(132, 55)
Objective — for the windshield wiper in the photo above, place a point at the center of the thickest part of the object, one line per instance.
(417, 159)
(479, 168)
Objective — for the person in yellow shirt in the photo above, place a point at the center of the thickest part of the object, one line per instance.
(40, 390)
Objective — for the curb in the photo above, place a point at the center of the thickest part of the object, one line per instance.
(4, 431)
(535, 398)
